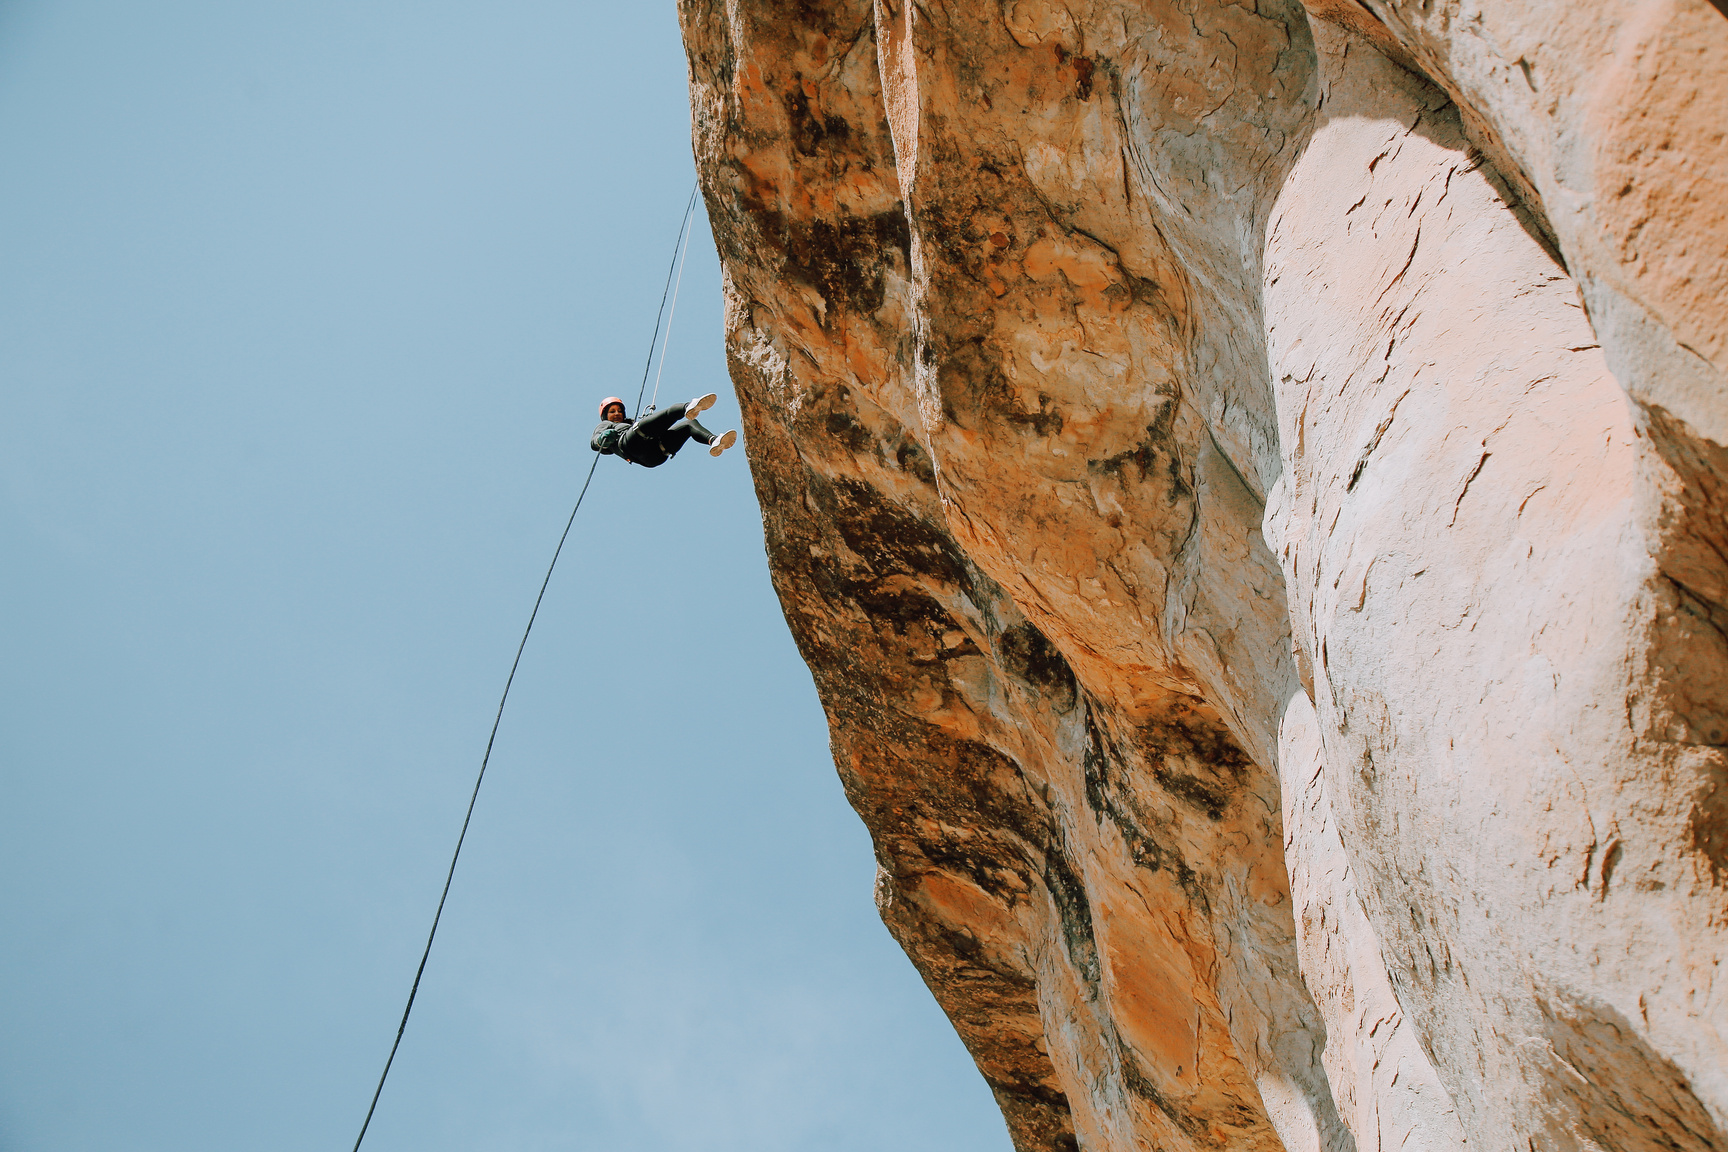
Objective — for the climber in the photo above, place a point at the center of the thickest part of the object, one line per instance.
(652, 439)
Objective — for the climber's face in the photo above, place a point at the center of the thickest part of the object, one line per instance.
(615, 413)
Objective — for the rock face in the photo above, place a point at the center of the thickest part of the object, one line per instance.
(1248, 480)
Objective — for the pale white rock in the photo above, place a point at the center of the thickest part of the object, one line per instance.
(1385, 1086)
(1469, 580)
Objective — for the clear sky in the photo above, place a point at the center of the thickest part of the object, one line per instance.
(304, 311)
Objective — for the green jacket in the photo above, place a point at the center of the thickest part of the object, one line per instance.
(606, 437)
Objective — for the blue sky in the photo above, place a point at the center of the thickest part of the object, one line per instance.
(304, 311)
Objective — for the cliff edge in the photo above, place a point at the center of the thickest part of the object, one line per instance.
(1248, 481)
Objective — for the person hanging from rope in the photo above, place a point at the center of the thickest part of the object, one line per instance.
(655, 437)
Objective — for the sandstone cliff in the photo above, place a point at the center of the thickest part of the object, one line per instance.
(1248, 480)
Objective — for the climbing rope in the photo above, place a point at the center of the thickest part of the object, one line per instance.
(475, 795)
(678, 263)
(486, 758)
(673, 314)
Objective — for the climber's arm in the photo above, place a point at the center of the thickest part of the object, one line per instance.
(606, 437)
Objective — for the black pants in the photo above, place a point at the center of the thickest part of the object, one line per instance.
(656, 437)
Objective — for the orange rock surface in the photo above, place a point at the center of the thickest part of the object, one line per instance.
(1248, 482)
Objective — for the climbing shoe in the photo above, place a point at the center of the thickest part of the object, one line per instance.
(722, 442)
(700, 405)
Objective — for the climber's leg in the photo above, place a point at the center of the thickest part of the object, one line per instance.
(698, 433)
(658, 436)
(680, 433)
(655, 423)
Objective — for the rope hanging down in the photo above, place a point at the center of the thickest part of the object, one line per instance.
(475, 795)
(498, 717)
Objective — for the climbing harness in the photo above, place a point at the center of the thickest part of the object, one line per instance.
(486, 758)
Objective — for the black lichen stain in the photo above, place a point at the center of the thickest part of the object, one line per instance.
(1100, 761)
(1029, 656)
(811, 134)
(1181, 746)
(1045, 422)
(847, 260)
(1135, 1078)
(841, 425)
(912, 458)
(1155, 458)
(972, 369)
(1074, 910)
(889, 538)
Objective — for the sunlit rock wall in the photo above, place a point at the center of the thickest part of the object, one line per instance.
(1248, 482)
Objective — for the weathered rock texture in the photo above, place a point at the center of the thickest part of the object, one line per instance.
(1248, 481)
